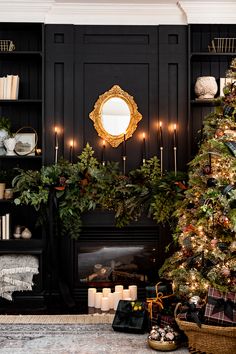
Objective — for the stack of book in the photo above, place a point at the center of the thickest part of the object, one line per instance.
(5, 227)
(9, 87)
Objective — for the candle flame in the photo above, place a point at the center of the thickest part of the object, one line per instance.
(174, 126)
(56, 129)
(71, 143)
(143, 135)
(104, 143)
(160, 124)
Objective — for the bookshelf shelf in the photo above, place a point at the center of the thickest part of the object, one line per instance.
(22, 73)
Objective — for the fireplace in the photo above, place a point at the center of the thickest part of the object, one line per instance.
(105, 255)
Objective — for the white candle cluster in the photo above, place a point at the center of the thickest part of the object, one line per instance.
(107, 300)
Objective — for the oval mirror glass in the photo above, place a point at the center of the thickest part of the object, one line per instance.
(115, 116)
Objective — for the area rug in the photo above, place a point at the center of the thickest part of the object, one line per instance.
(71, 339)
(58, 319)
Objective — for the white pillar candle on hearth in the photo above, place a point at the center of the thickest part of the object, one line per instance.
(111, 300)
(126, 294)
(117, 298)
(133, 292)
(98, 300)
(91, 296)
(119, 288)
(106, 291)
(105, 304)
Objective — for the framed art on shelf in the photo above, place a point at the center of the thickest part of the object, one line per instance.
(25, 144)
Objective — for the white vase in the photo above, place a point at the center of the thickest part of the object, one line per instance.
(205, 87)
(26, 234)
(10, 144)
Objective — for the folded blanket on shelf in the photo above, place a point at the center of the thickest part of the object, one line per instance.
(16, 273)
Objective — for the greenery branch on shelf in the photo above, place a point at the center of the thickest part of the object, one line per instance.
(87, 185)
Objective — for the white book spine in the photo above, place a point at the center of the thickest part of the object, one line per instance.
(4, 87)
(7, 226)
(4, 227)
(9, 87)
(1, 88)
(15, 87)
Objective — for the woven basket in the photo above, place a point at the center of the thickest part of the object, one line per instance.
(208, 339)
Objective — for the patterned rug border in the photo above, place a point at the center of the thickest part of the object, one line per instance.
(58, 319)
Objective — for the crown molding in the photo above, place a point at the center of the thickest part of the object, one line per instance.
(209, 11)
(24, 10)
(97, 13)
(130, 12)
(115, 14)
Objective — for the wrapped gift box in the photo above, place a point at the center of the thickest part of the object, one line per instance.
(220, 308)
(131, 317)
(164, 288)
(160, 301)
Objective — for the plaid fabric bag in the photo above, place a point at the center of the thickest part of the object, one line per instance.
(220, 308)
(192, 313)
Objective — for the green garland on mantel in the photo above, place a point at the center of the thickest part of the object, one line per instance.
(87, 185)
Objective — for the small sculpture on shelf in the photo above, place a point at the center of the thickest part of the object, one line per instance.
(26, 234)
(10, 144)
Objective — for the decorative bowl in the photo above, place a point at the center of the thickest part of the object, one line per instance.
(163, 346)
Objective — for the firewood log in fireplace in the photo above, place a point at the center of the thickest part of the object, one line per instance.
(119, 276)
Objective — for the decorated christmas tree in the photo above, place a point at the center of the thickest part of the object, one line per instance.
(206, 229)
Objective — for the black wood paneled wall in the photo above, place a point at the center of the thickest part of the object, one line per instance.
(149, 62)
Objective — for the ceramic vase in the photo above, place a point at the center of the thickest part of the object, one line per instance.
(26, 234)
(205, 87)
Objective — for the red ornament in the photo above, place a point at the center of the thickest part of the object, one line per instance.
(187, 252)
(214, 242)
(188, 228)
(223, 220)
(219, 133)
(207, 170)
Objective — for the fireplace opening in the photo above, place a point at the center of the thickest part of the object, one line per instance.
(116, 264)
(105, 256)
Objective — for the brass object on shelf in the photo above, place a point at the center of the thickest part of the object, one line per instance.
(118, 107)
(163, 346)
(6, 45)
(222, 45)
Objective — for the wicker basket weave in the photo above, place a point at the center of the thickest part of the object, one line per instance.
(208, 339)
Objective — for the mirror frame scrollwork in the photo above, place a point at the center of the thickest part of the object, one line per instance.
(95, 115)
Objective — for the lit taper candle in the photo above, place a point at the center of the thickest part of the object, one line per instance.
(175, 148)
(124, 154)
(161, 147)
(144, 149)
(71, 150)
(56, 144)
(103, 152)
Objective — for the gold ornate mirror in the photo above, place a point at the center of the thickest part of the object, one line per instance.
(115, 114)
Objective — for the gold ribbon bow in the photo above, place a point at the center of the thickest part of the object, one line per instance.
(156, 300)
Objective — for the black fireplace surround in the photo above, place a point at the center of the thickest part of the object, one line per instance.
(105, 255)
